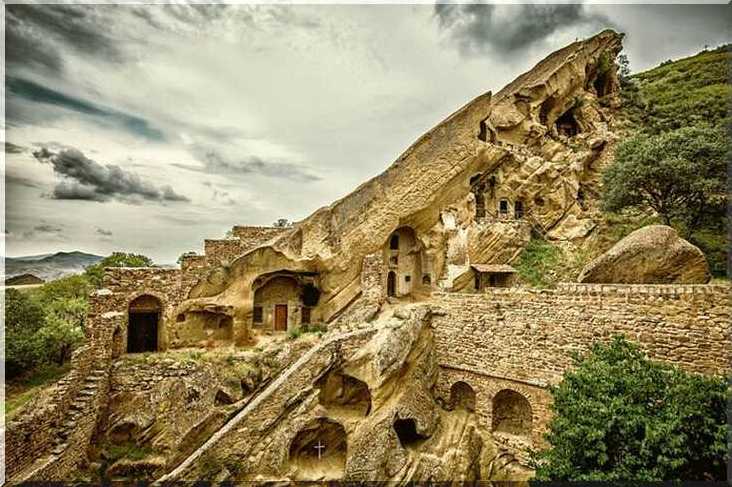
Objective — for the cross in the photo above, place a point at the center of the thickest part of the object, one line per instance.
(319, 447)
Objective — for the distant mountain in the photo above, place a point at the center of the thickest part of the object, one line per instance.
(51, 266)
(23, 280)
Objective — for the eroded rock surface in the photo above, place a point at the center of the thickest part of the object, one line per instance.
(655, 254)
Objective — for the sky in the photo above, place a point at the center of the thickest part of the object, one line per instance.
(147, 128)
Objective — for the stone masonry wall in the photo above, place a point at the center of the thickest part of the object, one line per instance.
(522, 339)
(252, 237)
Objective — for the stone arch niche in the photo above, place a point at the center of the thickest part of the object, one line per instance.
(278, 301)
(403, 258)
(344, 395)
(143, 324)
(511, 414)
(462, 396)
(318, 451)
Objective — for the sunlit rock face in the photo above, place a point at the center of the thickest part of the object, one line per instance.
(655, 254)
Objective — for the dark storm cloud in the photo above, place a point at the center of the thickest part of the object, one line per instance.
(11, 148)
(34, 92)
(38, 35)
(505, 29)
(85, 179)
(216, 163)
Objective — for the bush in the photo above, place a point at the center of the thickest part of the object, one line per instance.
(620, 416)
(23, 318)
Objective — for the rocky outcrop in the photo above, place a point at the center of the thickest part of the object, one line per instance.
(530, 154)
(651, 255)
(358, 407)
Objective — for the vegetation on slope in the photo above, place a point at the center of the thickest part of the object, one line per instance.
(694, 91)
(619, 416)
(674, 159)
(43, 325)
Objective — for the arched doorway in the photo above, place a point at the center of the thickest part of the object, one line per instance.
(276, 302)
(462, 396)
(391, 284)
(142, 324)
(511, 414)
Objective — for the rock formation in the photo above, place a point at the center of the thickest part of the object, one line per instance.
(382, 393)
(651, 255)
(471, 190)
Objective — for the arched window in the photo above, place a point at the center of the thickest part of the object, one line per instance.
(143, 321)
(394, 242)
(462, 396)
(511, 414)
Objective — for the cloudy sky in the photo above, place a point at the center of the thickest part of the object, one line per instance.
(147, 128)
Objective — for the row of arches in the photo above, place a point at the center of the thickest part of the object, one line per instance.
(510, 411)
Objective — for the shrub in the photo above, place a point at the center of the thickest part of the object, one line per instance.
(620, 416)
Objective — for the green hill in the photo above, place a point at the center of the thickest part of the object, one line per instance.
(682, 93)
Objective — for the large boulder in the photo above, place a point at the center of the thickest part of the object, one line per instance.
(651, 255)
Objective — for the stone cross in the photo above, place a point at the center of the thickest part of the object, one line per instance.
(319, 447)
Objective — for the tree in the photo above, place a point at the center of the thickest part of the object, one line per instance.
(681, 175)
(23, 318)
(282, 223)
(620, 416)
(95, 273)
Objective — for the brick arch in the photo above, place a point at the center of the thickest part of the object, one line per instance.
(462, 396)
(512, 414)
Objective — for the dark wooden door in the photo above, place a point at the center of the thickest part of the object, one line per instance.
(280, 317)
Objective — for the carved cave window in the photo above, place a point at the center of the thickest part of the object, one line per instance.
(258, 314)
(518, 209)
(394, 242)
(503, 208)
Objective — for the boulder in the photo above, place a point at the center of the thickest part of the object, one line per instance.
(651, 255)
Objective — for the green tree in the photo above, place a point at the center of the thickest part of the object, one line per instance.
(23, 318)
(58, 337)
(95, 272)
(620, 416)
(681, 175)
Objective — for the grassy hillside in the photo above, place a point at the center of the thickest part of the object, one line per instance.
(682, 93)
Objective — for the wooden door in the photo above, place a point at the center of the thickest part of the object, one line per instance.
(280, 317)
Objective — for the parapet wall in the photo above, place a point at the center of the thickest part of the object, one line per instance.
(529, 335)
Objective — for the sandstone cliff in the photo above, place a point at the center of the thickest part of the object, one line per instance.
(471, 190)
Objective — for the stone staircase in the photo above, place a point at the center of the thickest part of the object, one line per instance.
(78, 408)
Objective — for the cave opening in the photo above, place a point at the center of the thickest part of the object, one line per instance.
(406, 431)
(318, 451)
(344, 394)
(567, 124)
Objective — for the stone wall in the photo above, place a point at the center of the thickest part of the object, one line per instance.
(124, 284)
(252, 237)
(47, 442)
(223, 251)
(522, 339)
